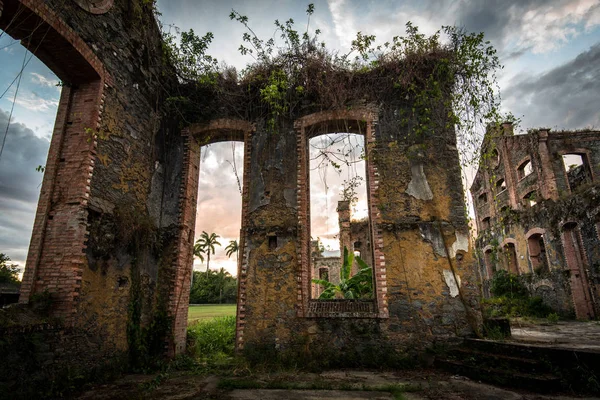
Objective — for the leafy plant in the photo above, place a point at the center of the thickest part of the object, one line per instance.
(359, 286)
(508, 285)
(214, 338)
(9, 273)
(213, 287)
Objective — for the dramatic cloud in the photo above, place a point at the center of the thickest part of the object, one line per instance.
(19, 186)
(542, 25)
(219, 200)
(564, 97)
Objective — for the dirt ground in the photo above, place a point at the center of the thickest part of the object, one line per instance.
(347, 385)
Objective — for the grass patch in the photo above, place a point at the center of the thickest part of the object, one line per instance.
(210, 311)
(212, 339)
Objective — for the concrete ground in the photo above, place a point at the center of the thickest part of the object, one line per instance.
(418, 384)
(343, 385)
(583, 335)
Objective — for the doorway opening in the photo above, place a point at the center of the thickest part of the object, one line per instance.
(214, 286)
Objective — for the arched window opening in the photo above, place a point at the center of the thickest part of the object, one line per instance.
(28, 111)
(510, 258)
(524, 169)
(537, 253)
(530, 199)
(339, 212)
(500, 185)
(485, 223)
(577, 169)
(495, 157)
(483, 198)
(490, 263)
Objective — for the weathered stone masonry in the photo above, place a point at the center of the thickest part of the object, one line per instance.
(114, 230)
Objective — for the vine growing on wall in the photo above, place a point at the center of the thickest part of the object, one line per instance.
(443, 81)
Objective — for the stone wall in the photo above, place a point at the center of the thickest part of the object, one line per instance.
(104, 238)
(114, 230)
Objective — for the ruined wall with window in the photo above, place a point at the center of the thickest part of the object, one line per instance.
(102, 253)
(112, 244)
(549, 211)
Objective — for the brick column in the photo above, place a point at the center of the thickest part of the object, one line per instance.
(303, 253)
(509, 169)
(379, 267)
(343, 210)
(184, 254)
(243, 254)
(56, 252)
(548, 186)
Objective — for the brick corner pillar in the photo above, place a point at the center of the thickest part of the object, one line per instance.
(179, 297)
(548, 178)
(343, 210)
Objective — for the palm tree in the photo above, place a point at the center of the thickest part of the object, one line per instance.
(206, 244)
(231, 248)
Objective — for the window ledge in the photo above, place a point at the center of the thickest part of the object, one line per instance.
(342, 308)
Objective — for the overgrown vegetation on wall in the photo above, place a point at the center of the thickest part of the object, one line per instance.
(297, 74)
(510, 298)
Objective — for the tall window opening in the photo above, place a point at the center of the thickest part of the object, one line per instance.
(217, 233)
(339, 216)
(575, 258)
(500, 185)
(524, 169)
(530, 199)
(490, 263)
(29, 98)
(537, 253)
(510, 258)
(482, 199)
(577, 170)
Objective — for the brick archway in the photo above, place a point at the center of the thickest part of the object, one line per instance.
(196, 136)
(56, 253)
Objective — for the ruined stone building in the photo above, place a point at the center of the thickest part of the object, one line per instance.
(537, 207)
(112, 244)
(354, 235)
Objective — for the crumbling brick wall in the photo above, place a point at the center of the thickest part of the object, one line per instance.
(558, 203)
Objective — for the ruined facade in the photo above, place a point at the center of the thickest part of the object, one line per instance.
(355, 236)
(113, 235)
(537, 206)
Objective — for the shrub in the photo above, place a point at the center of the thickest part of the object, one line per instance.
(211, 339)
(509, 307)
(505, 284)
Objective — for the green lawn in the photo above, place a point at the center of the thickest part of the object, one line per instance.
(210, 311)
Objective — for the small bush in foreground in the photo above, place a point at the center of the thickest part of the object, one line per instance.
(211, 339)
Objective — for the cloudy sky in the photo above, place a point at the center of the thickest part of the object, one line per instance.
(550, 50)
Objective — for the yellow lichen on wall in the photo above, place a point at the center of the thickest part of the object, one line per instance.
(271, 292)
(104, 301)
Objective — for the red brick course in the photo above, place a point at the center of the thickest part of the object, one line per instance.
(325, 121)
(56, 252)
(198, 135)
